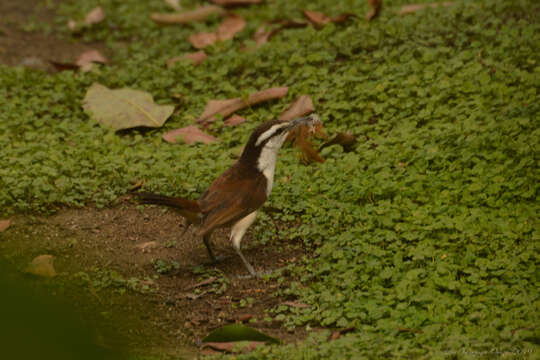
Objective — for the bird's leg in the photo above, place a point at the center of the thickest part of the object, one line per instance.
(186, 227)
(237, 232)
(206, 240)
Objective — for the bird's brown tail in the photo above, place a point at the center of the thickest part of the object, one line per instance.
(187, 208)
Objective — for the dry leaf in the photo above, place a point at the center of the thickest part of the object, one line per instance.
(230, 106)
(202, 283)
(346, 139)
(231, 3)
(265, 32)
(89, 57)
(296, 304)
(4, 224)
(42, 265)
(376, 6)
(199, 14)
(174, 4)
(299, 138)
(95, 16)
(197, 58)
(124, 108)
(147, 245)
(234, 120)
(319, 19)
(202, 40)
(230, 26)
(412, 8)
(189, 134)
(300, 107)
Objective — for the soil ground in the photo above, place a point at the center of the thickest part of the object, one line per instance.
(177, 311)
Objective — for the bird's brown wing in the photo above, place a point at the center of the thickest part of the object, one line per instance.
(232, 196)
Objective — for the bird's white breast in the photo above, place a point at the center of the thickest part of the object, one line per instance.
(267, 160)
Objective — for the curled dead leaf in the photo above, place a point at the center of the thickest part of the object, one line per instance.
(202, 40)
(4, 224)
(412, 8)
(197, 58)
(231, 3)
(96, 15)
(346, 139)
(42, 265)
(186, 17)
(230, 26)
(302, 106)
(234, 120)
(265, 32)
(319, 19)
(375, 9)
(230, 106)
(189, 134)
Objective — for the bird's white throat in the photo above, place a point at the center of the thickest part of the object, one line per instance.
(268, 157)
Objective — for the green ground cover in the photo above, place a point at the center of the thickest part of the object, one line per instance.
(425, 238)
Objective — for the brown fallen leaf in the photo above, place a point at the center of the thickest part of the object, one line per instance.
(202, 40)
(197, 58)
(147, 245)
(296, 304)
(88, 58)
(300, 107)
(244, 317)
(233, 345)
(375, 9)
(231, 3)
(96, 15)
(230, 26)
(202, 283)
(186, 17)
(412, 8)
(266, 31)
(4, 224)
(42, 265)
(319, 19)
(346, 139)
(234, 120)
(230, 106)
(189, 134)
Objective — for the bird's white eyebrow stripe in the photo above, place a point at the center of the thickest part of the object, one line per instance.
(265, 135)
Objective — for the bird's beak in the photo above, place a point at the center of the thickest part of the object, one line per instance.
(310, 120)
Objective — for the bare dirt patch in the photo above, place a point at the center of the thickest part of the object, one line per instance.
(179, 308)
(19, 47)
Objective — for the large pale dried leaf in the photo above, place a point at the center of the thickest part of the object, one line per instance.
(233, 346)
(95, 16)
(197, 58)
(124, 108)
(4, 224)
(375, 9)
(227, 3)
(42, 265)
(202, 40)
(230, 106)
(300, 107)
(412, 8)
(230, 26)
(189, 134)
(199, 14)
